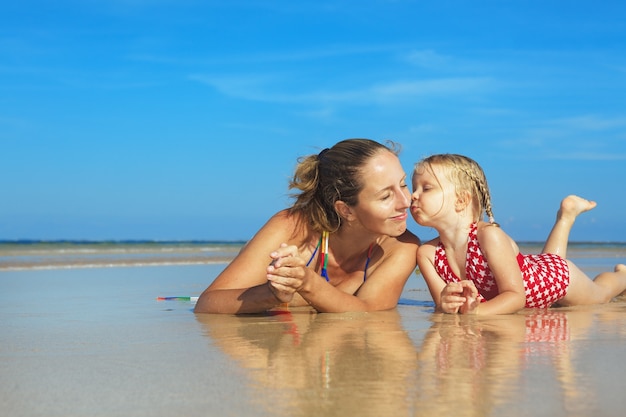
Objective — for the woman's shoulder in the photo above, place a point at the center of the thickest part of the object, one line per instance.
(409, 237)
(289, 219)
(285, 226)
(407, 240)
(400, 248)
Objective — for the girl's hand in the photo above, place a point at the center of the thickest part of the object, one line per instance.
(472, 298)
(452, 297)
(286, 272)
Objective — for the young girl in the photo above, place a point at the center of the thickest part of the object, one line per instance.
(474, 267)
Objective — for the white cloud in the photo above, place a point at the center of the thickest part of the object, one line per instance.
(586, 137)
(428, 59)
(590, 123)
(584, 156)
(268, 89)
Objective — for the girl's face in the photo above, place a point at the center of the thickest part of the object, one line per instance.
(433, 194)
(385, 197)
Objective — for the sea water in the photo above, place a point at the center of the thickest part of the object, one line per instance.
(77, 340)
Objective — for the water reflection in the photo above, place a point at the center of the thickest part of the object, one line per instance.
(469, 365)
(536, 363)
(321, 364)
(533, 363)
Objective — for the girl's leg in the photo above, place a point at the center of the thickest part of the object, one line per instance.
(571, 207)
(582, 290)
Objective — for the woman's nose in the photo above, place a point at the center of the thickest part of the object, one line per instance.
(406, 197)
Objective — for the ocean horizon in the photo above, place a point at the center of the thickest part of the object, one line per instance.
(84, 253)
(52, 254)
(31, 241)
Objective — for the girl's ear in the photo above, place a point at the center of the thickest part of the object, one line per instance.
(463, 200)
(344, 210)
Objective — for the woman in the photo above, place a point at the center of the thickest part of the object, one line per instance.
(342, 246)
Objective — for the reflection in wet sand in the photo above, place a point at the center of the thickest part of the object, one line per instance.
(534, 363)
(307, 364)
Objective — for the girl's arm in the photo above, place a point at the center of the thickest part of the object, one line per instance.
(501, 254)
(425, 260)
(448, 298)
(242, 287)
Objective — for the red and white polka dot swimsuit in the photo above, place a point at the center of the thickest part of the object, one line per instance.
(546, 276)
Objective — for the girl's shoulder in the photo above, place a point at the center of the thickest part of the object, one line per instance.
(487, 229)
(428, 248)
(492, 235)
(432, 242)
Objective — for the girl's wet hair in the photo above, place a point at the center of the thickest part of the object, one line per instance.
(332, 175)
(466, 175)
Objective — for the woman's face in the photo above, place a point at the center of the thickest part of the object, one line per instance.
(385, 197)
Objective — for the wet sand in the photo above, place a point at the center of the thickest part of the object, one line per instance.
(96, 342)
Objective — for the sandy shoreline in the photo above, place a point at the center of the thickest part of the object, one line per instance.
(96, 342)
(70, 255)
(17, 265)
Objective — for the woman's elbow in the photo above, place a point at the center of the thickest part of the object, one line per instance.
(202, 305)
(207, 303)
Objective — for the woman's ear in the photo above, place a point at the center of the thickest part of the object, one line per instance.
(344, 210)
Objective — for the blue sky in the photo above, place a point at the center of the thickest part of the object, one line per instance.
(141, 119)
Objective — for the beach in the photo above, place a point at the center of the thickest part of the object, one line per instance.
(83, 334)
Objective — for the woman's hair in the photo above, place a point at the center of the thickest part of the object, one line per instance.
(466, 175)
(332, 175)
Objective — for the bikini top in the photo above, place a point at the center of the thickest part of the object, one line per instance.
(323, 242)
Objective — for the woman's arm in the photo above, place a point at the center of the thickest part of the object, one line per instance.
(386, 278)
(242, 287)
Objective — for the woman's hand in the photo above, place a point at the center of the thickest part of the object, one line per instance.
(286, 272)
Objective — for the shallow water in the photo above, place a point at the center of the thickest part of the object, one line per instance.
(19, 255)
(409, 362)
(96, 342)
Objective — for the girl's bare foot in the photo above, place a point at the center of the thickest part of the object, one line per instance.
(572, 206)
